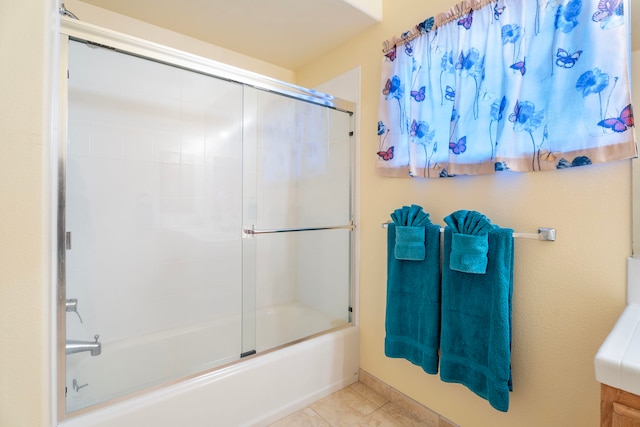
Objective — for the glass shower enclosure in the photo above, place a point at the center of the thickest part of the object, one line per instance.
(201, 220)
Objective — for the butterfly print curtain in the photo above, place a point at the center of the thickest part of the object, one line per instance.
(517, 85)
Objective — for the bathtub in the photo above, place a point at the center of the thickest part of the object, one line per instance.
(252, 392)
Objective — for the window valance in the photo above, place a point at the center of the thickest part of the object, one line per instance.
(502, 85)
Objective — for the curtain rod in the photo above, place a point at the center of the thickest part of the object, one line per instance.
(545, 234)
(433, 23)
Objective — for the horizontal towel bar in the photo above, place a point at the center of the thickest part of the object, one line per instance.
(546, 234)
(253, 231)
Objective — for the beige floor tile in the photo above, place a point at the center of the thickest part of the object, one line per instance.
(304, 417)
(362, 405)
(410, 417)
(344, 407)
(369, 393)
(379, 418)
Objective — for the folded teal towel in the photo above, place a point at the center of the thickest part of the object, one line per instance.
(470, 243)
(412, 321)
(409, 243)
(410, 215)
(475, 340)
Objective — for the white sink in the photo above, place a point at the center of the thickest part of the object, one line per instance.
(617, 362)
(618, 359)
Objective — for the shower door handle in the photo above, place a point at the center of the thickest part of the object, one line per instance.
(251, 231)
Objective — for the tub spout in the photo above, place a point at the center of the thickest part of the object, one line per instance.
(75, 346)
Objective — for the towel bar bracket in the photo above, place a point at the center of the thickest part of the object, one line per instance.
(548, 234)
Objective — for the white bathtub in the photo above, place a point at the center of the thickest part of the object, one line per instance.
(252, 392)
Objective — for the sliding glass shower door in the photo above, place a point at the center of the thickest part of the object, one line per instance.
(206, 220)
(297, 218)
(153, 195)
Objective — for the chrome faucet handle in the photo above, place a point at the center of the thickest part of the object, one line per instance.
(95, 337)
(77, 386)
(71, 306)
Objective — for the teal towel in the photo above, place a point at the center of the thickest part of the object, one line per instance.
(475, 340)
(410, 215)
(412, 322)
(409, 243)
(470, 244)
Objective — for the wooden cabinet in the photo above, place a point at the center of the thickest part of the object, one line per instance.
(619, 408)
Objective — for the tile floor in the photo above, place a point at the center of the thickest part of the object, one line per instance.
(360, 405)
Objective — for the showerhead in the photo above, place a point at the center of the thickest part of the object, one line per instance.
(65, 12)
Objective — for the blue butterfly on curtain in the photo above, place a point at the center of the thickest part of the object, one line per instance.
(386, 155)
(498, 9)
(466, 20)
(458, 147)
(383, 132)
(421, 131)
(470, 60)
(419, 95)
(408, 49)
(426, 25)
(609, 13)
(393, 88)
(525, 117)
(391, 55)
(565, 59)
(520, 66)
(621, 123)
(449, 93)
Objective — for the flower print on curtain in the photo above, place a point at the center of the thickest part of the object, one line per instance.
(502, 85)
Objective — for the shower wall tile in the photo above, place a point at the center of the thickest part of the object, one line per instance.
(168, 114)
(191, 181)
(168, 180)
(155, 79)
(107, 141)
(197, 88)
(109, 110)
(192, 149)
(105, 177)
(139, 109)
(167, 146)
(139, 181)
(193, 118)
(80, 136)
(138, 144)
(109, 80)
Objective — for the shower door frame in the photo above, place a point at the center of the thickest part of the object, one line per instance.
(76, 30)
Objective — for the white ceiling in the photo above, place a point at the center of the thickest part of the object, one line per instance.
(288, 33)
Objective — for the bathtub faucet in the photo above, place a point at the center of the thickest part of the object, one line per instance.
(75, 346)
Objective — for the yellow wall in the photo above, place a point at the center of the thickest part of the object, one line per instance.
(133, 27)
(25, 290)
(567, 294)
